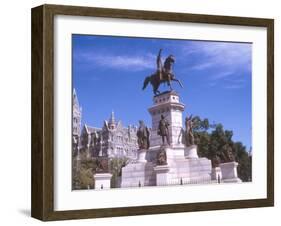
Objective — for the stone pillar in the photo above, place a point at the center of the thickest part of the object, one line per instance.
(167, 104)
(174, 154)
(191, 152)
(229, 172)
(162, 177)
(142, 155)
(102, 181)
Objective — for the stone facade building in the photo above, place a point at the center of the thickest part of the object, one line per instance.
(76, 115)
(112, 140)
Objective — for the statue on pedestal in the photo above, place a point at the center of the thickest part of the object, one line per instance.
(102, 165)
(189, 137)
(161, 157)
(164, 73)
(143, 136)
(228, 154)
(163, 130)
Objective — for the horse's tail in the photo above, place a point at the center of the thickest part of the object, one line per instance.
(146, 81)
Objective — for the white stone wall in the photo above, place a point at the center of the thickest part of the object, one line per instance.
(138, 175)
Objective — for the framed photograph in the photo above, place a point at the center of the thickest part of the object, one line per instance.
(142, 112)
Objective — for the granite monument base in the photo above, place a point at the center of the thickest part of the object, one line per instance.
(102, 180)
(138, 174)
(162, 175)
(229, 172)
(191, 152)
(181, 169)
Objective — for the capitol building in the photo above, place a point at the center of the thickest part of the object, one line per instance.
(112, 140)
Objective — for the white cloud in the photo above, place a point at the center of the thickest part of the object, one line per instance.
(220, 54)
(225, 63)
(124, 62)
(202, 66)
(221, 75)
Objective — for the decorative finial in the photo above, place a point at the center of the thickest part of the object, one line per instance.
(112, 118)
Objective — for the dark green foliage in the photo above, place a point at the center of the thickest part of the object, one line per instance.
(115, 168)
(213, 140)
(83, 171)
(245, 162)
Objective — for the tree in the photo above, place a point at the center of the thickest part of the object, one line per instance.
(213, 140)
(84, 170)
(115, 167)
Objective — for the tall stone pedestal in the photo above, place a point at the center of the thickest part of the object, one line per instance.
(229, 172)
(167, 104)
(174, 154)
(191, 152)
(142, 155)
(102, 180)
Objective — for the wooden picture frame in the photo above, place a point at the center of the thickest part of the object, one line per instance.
(42, 203)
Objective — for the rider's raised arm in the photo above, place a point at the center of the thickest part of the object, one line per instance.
(158, 62)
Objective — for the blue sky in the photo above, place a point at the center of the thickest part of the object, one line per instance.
(108, 74)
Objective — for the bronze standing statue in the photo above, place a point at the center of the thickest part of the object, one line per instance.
(163, 74)
(189, 137)
(143, 136)
(163, 130)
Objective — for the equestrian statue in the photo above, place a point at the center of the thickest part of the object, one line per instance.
(163, 74)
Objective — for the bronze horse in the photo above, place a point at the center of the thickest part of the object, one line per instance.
(164, 74)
